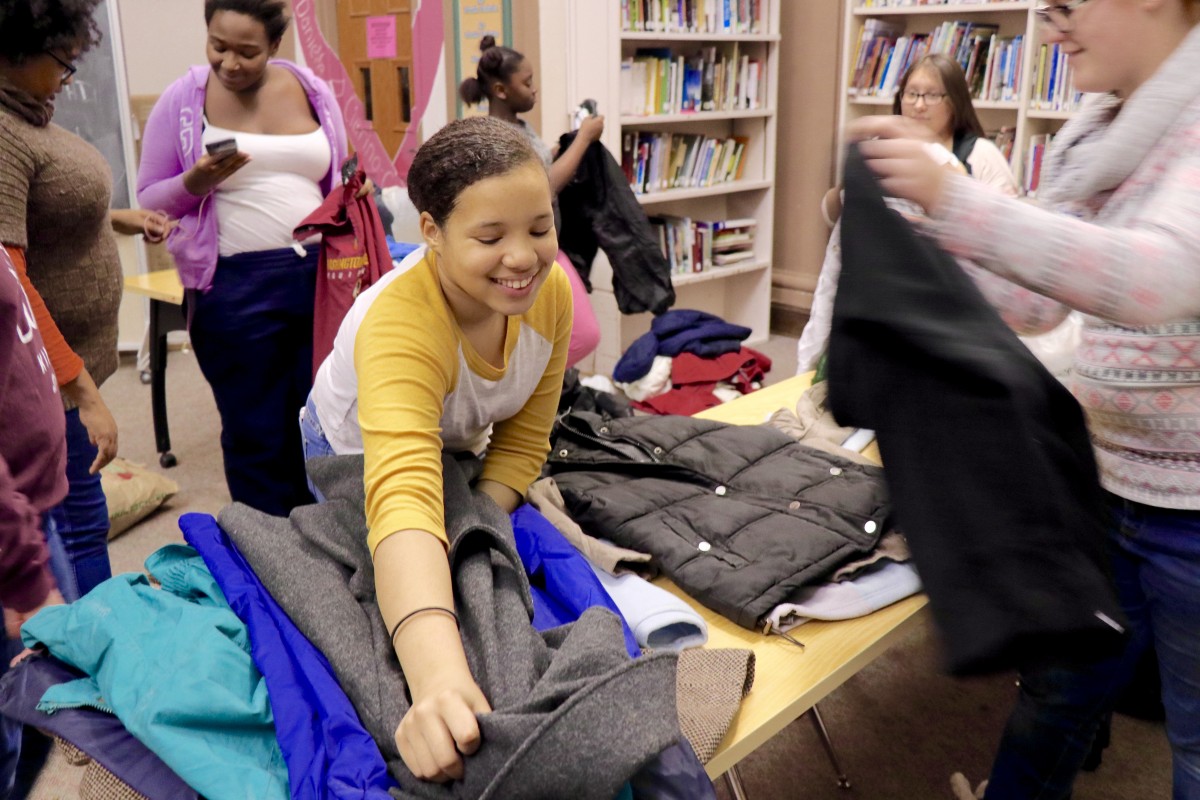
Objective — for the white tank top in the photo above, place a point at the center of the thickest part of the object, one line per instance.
(260, 205)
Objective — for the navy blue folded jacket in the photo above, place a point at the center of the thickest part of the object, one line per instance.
(681, 330)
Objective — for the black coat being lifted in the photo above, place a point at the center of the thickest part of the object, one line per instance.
(988, 459)
(740, 517)
(600, 210)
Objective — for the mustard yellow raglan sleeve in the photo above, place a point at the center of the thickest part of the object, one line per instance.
(520, 443)
(405, 355)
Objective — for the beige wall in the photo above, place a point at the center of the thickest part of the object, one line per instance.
(809, 58)
(162, 38)
(526, 40)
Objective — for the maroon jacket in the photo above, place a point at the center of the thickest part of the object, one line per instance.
(33, 448)
(694, 377)
(354, 254)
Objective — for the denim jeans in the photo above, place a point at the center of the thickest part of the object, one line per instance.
(312, 440)
(82, 517)
(1156, 570)
(11, 732)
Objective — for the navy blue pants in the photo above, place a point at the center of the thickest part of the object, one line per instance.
(253, 336)
(1156, 570)
(82, 517)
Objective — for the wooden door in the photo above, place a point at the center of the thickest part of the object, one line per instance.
(384, 84)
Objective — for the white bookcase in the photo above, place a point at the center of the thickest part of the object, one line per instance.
(915, 16)
(739, 293)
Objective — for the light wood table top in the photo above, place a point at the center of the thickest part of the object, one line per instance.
(789, 681)
(162, 285)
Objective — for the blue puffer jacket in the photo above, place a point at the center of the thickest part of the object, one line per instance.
(330, 755)
(561, 583)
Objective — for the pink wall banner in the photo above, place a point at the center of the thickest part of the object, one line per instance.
(381, 37)
(385, 169)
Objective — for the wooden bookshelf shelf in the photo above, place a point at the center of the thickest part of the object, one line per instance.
(951, 9)
(870, 100)
(717, 189)
(664, 36)
(697, 116)
(1046, 113)
(997, 105)
(719, 273)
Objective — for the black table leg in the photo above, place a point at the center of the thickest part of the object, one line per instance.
(164, 318)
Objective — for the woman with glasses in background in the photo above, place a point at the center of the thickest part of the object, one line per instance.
(934, 92)
(1115, 234)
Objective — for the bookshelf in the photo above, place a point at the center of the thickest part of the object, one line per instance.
(602, 39)
(1034, 103)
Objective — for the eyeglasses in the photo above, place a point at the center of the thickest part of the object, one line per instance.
(69, 69)
(1058, 15)
(930, 98)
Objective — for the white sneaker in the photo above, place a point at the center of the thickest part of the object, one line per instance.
(961, 788)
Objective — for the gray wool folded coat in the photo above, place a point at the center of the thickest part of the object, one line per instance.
(573, 715)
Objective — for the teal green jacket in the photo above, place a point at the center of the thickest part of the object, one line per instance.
(173, 664)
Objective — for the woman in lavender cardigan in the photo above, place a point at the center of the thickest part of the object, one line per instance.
(1115, 235)
(250, 292)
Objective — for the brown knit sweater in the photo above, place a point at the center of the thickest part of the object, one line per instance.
(54, 195)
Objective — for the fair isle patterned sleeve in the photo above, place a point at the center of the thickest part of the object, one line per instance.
(1138, 264)
(1128, 255)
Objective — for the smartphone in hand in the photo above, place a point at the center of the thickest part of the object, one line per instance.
(222, 149)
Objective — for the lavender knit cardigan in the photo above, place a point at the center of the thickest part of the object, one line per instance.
(171, 145)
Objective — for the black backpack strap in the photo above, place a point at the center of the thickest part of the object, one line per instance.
(963, 145)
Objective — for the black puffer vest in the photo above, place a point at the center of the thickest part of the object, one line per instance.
(738, 516)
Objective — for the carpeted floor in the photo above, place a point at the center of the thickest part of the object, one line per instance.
(900, 727)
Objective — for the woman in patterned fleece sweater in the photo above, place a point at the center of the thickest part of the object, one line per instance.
(1116, 235)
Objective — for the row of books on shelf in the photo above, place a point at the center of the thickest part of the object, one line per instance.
(694, 16)
(656, 162)
(1038, 144)
(1053, 89)
(990, 62)
(691, 245)
(657, 81)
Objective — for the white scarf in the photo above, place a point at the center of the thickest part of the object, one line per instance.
(1095, 153)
